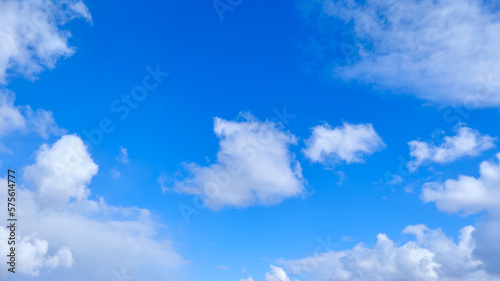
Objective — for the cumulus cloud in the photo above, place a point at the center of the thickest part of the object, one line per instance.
(467, 142)
(254, 166)
(25, 119)
(62, 171)
(276, 274)
(470, 195)
(467, 193)
(442, 51)
(33, 254)
(430, 255)
(348, 143)
(63, 227)
(31, 36)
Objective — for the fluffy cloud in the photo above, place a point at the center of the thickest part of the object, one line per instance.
(62, 227)
(25, 119)
(276, 274)
(349, 143)
(31, 35)
(471, 195)
(467, 142)
(431, 255)
(442, 51)
(254, 166)
(62, 171)
(467, 193)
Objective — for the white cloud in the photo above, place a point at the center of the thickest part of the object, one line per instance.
(90, 236)
(444, 51)
(31, 36)
(471, 195)
(32, 254)
(349, 143)
(62, 171)
(250, 278)
(431, 255)
(467, 193)
(10, 116)
(467, 142)
(254, 166)
(276, 274)
(42, 122)
(24, 119)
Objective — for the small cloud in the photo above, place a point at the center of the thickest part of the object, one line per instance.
(115, 174)
(123, 157)
(347, 143)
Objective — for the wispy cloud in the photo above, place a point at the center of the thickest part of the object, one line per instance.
(467, 142)
(31, 36)
(444, 52)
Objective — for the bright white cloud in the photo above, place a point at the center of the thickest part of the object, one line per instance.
(89, 236)
(31, 36)
(32, 254)
(276, 274)
(254, 166)
(467, 193)
(467, 142)
(62, 171)
(443, 51)
(471, 195)
(431, 255)
(349, 143)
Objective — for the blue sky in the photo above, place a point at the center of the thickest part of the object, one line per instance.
(359, 82)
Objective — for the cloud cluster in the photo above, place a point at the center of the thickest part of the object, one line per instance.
(348, 143)
(63, 227)
(442, 51)
(31, 36)
(431, 255)
(470, 195)
(254, 166)
(467, 142)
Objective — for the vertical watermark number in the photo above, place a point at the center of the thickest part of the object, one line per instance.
(11, 220)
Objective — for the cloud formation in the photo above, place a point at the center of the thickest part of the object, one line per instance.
(24, 119)
(431, 255)
(467, 193)
(467, 142)
(254, 166)
(63, 227)
(444, 52)
(471, 195)
(31, 36)
(348, 143)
